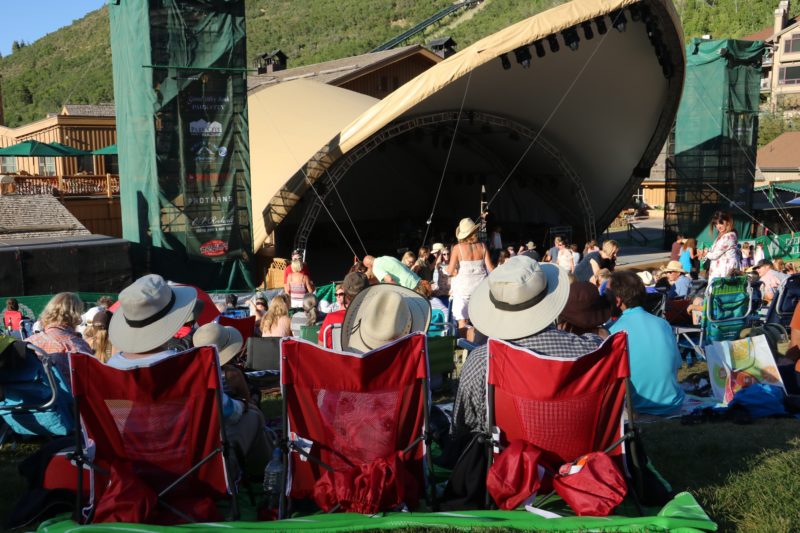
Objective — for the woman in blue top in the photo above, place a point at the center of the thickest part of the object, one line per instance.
(688, 255)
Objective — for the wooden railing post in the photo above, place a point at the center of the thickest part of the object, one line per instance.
(108, 185)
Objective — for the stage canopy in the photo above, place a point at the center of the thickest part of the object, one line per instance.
(558, 117)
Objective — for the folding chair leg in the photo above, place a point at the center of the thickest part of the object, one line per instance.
(431, 485)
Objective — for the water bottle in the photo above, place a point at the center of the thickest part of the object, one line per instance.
(272, 481)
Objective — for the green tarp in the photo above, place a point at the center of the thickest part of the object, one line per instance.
(683, 514)
(180, 88)
(32, 306)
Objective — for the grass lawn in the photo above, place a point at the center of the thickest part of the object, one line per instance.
(745, 476)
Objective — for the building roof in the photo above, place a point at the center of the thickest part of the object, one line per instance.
(781, 153)
(87, 110)
(788, 186)
(338, 71)
(768, 32)
(36, 216)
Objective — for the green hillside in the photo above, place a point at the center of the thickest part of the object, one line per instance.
(73, 64)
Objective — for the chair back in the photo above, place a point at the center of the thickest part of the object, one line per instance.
(263, 353)
(728, 308)
(309, 333)
(353, 408)
(34, 397)
(566, 406)
(164, 421)
(782, 306)
(245, 326)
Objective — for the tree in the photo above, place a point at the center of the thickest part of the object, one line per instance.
(771, 126)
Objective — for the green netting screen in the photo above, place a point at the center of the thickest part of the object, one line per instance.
(180, 87)
(715, 136)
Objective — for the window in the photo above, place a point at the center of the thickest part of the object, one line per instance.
(85, 164)
(8, 165)
(47, 166)
(792, 44)
(112, 164)
(789, 76)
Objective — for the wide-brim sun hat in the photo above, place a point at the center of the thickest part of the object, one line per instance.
(227, 339)
(586, 308)
(647, 278)
(150, 312)
(674, 266)
(382, 313)
(519, 298)
(466, 227)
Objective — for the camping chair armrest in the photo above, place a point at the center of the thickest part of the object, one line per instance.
(51, 382)
(299, 449)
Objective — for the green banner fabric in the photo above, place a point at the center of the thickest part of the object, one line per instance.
(180, 87)
(32, 306)
(683, 514)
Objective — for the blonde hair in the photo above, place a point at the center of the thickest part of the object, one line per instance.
(297, 265)
(408, 255)
(610, 246)
(277, 308)
(472, 237)
(100, 342)
(63, 309)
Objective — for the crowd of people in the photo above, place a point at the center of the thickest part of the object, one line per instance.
(562, 305)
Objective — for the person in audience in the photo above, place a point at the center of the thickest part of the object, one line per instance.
(679, 283)
(103, 303)
(648, 280)
(309, 316)
(724, 253)
(591, 246)
(276, 323)
(675, 252)
(653, 351)
(297, 285)
(565, 258)
(593, 262)
(326, 307)
(758, 253)
(387, 269)
(468, 267)
(297, 255)
(779, 265)
(258, 307)
(150, 313)
(409, 259)
(601, 279)
(747, 256)
(423, 266)
(552, 254)
(58, 338)
(586, 311)
(576, 255)
(441, 280)
(519, 302)
(381, 314)
(353, 283)
(502, 257)
(530, 251)
(770, 279)
(688, 255)
(96, 335)
(12, 317)
(789, 269)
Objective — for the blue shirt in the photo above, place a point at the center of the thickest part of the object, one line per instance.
(680, 289)
(654, 361)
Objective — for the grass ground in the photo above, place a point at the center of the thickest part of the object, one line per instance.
(745, 476)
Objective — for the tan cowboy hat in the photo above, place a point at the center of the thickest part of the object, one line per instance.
(465, 228)
(227, 339)
(519, 298)
(674, 266)
(383, 313)
(437, 247)
(150, 312)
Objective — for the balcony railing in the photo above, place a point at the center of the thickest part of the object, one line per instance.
(86, 185)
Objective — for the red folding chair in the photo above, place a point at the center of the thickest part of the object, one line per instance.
(245, 326)
(344, 411)
(567, 407)
(157, 432)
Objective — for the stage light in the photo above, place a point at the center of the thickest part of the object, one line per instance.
(601, 25)
(539, 46)
(636, 13)
(571, 38)
(588, 33)
(523, 55)
(505, 61)
(553, 42)
(618, 20)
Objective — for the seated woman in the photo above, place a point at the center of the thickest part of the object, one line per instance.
(276, 323)
(59, 318)
(96, 334)
(309, 316)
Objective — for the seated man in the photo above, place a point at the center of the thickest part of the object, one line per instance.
(770, 278)
(519, 301)
(150, 313)
(653, 351)
(353, 283)
(679, 282)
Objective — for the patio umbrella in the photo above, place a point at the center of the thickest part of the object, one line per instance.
(796, 201)
(108, 150)
(69, 150)
(31, 149)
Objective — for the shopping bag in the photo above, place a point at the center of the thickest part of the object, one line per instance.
(735, 365)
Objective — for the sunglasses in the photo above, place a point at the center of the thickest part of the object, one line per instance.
(339, 294)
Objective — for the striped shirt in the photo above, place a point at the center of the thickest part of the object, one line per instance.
(469, 411)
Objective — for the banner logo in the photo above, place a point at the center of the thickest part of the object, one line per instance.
(214, 248)
(205, 129)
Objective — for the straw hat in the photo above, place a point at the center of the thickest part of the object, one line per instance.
(465, 228)
(674, 266)
(519, 298)
(228, 340)
(437, 247)
(531, 245)
(382, 313)
(150, 312)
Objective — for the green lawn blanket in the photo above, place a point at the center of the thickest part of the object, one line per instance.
(683, 514)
